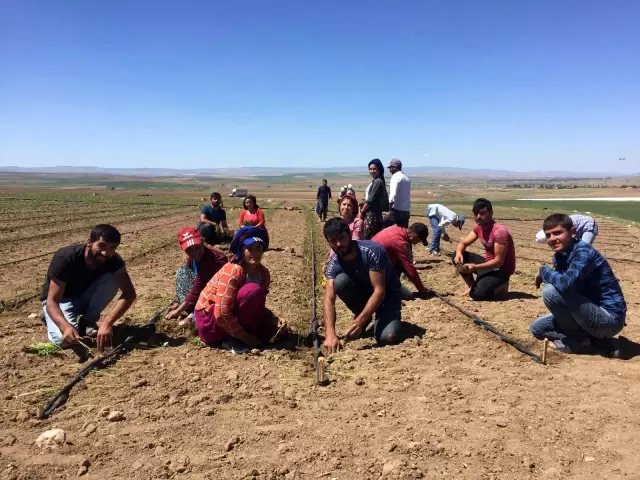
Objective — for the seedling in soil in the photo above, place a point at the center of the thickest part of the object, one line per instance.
(43, 349)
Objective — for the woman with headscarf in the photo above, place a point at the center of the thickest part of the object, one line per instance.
(232, 305)
(376, 200)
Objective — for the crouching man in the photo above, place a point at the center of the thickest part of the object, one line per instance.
(583, 296)
(81, 281)
(361, 274)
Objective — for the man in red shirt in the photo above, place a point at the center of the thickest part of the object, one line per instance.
(397, 242)
(205, 263)
(492, 272)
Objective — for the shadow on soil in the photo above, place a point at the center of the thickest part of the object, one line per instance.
(628, 348)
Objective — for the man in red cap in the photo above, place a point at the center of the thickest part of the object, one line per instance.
(202, 264)
(397, 241)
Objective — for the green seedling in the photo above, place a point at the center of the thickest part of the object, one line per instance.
(43, 349)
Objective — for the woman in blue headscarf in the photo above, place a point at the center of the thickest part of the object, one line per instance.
(232, 305)
(376, 200)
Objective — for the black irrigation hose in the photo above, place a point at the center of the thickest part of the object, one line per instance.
(490, 328)
(62, 395)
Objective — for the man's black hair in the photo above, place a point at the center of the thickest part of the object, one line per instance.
(481, 203)
(334, 227)
(557, 219)
(216, 195)
(108, 233)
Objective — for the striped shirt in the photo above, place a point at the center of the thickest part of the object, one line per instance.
(582, 269)
(221, 293)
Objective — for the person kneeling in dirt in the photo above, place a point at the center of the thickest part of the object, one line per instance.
(362, 276)
(493, 272)
(583, 296)
(232, 305)
(213, 221)
(397, 242)
(81, 281)
(192, 278)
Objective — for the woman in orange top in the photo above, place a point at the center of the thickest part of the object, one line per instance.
(252, 215)
(233, 302)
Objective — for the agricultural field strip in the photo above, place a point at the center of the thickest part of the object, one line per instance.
(70, 217)
(134, 216)
(113, 201)
(14, 215)
(20, 260)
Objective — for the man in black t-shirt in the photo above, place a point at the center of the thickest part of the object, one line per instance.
(81, 281)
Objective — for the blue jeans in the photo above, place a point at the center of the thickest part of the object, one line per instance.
(436, 233)
(574, 316)
(387, 323)
(90, 305)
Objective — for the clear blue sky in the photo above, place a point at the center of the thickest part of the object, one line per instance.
(521, 85)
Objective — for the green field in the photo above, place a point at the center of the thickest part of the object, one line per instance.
(629, 211)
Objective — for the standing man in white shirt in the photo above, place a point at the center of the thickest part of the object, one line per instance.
(440, 216)
(399, 195)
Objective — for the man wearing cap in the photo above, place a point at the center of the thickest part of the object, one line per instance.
(399, 196)
(202, 261)
(440, 216)
(397, 241)
(81, 281)
(361, 275)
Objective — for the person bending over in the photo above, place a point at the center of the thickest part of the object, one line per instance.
(362, 276)
(493, 272)
(585, 226)
(397, 242)
(583, 296)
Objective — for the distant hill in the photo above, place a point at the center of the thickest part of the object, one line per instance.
(274, 171)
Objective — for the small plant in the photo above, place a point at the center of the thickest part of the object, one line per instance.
(43, 349)
(196, 341)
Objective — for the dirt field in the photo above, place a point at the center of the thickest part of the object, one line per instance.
(451, 401)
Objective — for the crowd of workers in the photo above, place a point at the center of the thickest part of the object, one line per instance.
(371, 246)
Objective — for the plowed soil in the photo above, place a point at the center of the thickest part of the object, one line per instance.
(451, 401)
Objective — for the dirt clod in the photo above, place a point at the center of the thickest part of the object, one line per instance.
(115, 416)
(52, 438)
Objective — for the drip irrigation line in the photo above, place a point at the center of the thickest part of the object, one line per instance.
(490, 328)
(143, 333)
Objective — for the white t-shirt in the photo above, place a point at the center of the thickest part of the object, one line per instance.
(400, 192)
(442, 213)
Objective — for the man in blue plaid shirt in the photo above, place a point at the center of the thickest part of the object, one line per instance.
(582, 293)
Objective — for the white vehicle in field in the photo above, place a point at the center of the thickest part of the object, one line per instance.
(239, 192)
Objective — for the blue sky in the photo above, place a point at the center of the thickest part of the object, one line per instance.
(520, 85)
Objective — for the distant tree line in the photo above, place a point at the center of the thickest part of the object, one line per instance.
(564, 186)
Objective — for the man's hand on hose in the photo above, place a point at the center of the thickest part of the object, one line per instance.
(332, 343)
(105, 335)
